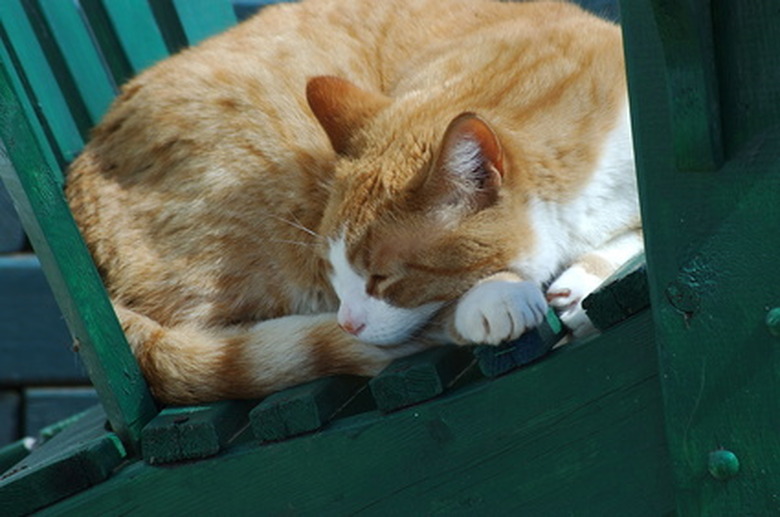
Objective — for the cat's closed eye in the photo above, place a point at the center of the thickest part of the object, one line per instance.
(374, 284)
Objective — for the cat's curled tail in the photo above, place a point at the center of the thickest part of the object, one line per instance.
(184, 364)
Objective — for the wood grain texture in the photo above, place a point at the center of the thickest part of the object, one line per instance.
(622, 295)
(419, 377)
(577, 434)
(711, 254)
(193, 432)
(305, 408)
(81, 456)
(70, 271)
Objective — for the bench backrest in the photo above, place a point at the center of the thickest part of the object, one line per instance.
(61, 64)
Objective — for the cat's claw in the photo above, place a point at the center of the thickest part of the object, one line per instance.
(565, 295)
(499, 310)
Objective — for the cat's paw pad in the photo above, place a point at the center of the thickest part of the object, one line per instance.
(499, 310)
(566, 295)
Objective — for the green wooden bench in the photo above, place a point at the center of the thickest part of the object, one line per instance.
(599, 427)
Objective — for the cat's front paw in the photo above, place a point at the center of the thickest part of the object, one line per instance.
(499, 310)
(565, 295)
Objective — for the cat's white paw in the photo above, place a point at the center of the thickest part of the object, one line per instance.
(498, 310)
(566, 295)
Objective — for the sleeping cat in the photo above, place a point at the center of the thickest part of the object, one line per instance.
(337, 183)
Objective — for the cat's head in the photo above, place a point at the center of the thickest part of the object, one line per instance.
(418, 212)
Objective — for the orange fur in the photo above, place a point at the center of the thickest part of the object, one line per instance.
(208, 193)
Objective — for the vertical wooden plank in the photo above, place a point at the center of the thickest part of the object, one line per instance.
(203, 18)
(127, 34)
(712, 269)
(10, 405)
(71, 273)
(77, 65)
(31, 75)
(687, 39)
(187, 22)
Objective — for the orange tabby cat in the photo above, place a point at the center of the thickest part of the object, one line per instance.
(337, 183)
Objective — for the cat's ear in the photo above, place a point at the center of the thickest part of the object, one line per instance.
(342, 108)
(469, 169)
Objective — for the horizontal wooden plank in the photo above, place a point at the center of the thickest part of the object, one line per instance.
(193, 432)
(35, 344)
(420, 377)
(46, 406)
(554, 438)
(81, 456)
(303, 409)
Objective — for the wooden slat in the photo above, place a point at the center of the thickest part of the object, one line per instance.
(14, 452)
(534, 344)
(185, 23)
(420, 377)
(71, 273)
(35, 345)
(10, 405)
(44, 406)
(33, 81)
(193, 432)
(712, 262)
(622, 295)
(201, 19)
(127, 33)
(81, 456)
(11, 233)
(303, 409)
(75, 60)
(687, 42)
(577, 434)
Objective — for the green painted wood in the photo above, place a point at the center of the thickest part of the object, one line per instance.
(201, 19)
(419, 377)
(10, 410)
(44, 406)
(127, 33)
(14, 452)
(579, 433)
(534, 344)
(622, 295)
(79, 457)
(12, 237)
(39, 94)
(687, 42)
(712, 263)
(193, 432)
(70, 271)
(76, 62)
(35, 345)
(52, 430)
(185, 23)
(305, 408)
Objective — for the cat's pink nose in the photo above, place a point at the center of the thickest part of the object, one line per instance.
(352, 327)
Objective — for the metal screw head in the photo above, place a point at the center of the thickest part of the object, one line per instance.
(773, 321)
(723, 464)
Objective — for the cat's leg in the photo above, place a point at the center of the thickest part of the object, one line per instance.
(498, 308)
(566, 293)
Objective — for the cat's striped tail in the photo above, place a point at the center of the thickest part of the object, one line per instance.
(187, 364)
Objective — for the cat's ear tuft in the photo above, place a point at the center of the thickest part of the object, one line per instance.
(342, 108)
(470, 165)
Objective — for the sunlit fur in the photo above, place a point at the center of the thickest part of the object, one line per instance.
(448, 153)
